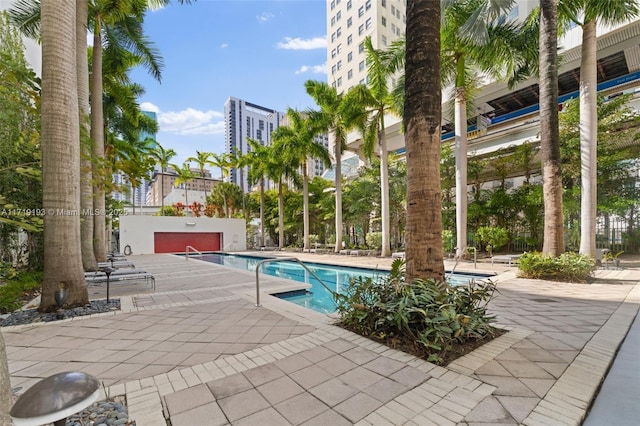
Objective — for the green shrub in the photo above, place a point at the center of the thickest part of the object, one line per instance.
(16, 288)
(566, 267)
(448, 242)
(374, 240)
(493, 236)
(433, 315)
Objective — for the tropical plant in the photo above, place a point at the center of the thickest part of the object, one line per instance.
(286, 168)
(185, 175)
(162, 157)
(568, 266)
(258, 159)
(20, 162)
(493, 237)
(429, 314)
(339, 113)
(299, 137)
(593, 12)
(378, 102)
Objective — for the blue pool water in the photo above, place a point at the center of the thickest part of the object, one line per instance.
(317, 297)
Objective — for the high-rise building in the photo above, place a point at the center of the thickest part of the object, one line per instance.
(247, 120)
(349, 22)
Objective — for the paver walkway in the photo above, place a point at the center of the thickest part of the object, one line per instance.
(199, 352)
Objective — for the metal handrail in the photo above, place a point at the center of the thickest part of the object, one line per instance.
(186, 252)
(458, 258)
(288, 259)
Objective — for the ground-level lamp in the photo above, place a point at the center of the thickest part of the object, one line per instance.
(53, 399)
(107, 270)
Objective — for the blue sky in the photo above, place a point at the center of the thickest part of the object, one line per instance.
(259, 51)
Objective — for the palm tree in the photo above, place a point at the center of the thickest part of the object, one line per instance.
(280, 169)
(185, 175)
(202, 160)
(299, 138)
(120, 25)
(86, 176)
(472, 44)
(553, 243)
(258, 160)
(162, 157)
(60, 157)
(610, 13)
(223, 162)
(136, 161)
(422, 117)
(338, 114)
(379, 102)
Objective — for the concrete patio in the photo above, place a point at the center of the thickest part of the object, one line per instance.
(199, 352)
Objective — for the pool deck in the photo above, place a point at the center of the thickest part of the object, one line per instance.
(199, 352)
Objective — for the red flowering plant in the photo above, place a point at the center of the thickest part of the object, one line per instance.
(196, 209)
(178, 209)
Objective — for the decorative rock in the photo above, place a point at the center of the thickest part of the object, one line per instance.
(30, 316)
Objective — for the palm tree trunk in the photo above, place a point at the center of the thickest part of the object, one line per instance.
(553, 240)
(423, 236)
(261, 212)
(461, 170)
(97, 136)
(162, 192)
(338, 194)
(280, 215)
(60, 156)
(86, 185)
(384, 191)
(588, 140)
(305, 206)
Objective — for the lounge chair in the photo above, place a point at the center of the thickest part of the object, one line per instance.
(99, 277)
(511, 259)
(397, 255)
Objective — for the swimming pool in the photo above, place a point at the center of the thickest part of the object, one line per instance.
(317, 297)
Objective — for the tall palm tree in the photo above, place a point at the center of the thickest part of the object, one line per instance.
(162, 157)
(422, 117)
(593, 12)
(119, 24)
(185, 175)
(379, 102)
(258, 160)
(553, 240)
(222, 161)
(299, 136)
(473, 43)
(202, 159)
(86, 176)
(283, 168)
(338, 114)
(60, 157)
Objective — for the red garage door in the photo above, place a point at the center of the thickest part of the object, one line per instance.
(176, 242)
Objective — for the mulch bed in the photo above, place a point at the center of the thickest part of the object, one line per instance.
(408, 345)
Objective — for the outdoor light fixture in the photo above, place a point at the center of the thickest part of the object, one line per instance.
(107, 270)
(53, 399)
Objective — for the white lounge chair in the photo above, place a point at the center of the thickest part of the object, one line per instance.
(511, 259)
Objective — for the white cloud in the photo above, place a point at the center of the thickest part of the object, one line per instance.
(189, 121)
(148, 106)
(224, 45)
(302, 44)
(265, 16)
(316, 69)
